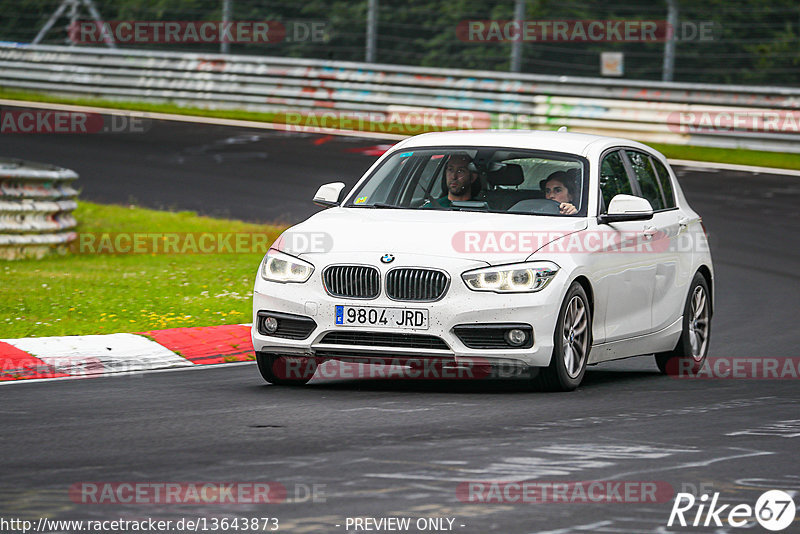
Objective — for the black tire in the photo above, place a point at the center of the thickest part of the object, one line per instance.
(285, 370)
(689, 355)
(565, 372)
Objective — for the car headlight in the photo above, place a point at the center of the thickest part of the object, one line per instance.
(280, 267)
(516, 278)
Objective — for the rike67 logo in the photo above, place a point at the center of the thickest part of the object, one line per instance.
(774, 510)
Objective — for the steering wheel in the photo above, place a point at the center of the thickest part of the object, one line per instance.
(540, 206)
(551, 207)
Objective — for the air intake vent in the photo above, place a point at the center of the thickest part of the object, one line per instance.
(289, 326)
(379, 339)
(492, 336)
(352, 281)
(415, 285)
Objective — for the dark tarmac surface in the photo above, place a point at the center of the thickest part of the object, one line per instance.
(377, 448)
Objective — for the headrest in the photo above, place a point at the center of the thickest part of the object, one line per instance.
(508, 174)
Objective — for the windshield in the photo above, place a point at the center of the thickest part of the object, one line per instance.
(478, 179)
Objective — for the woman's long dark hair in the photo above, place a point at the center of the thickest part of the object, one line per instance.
(568, 178)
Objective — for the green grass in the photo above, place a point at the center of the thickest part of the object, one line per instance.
(12, 94)
(104, 293)
(720, 155)
(780, 160)
(313, 123)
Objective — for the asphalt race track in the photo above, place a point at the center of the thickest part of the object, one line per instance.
(376, 448)
(247, 174)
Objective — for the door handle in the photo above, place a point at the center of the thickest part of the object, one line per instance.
(684, 222)
(649, 232)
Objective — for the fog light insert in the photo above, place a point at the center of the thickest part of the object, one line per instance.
(270, 324)
(516, 337)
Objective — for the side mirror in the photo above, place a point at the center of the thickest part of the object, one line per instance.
(329, 195)
(627, 208)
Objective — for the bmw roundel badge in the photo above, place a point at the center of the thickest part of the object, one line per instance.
(387, 258)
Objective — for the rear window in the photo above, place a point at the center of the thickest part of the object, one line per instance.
(666, 183)
(646, 176)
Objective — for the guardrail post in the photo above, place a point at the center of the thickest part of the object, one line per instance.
(224, 46)
(372, 30)
(516, 45)
(669, 46)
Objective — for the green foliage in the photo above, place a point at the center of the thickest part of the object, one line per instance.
(104, 293)
(778, 160)
(752, 42)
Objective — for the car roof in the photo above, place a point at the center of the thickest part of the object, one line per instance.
(567, 142)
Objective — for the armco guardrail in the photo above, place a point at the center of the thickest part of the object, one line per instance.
(36, 204)
(760, 118)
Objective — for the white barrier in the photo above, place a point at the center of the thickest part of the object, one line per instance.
(36, 204)
(678, 113)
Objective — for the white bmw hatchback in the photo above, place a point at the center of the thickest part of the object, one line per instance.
(542, 251)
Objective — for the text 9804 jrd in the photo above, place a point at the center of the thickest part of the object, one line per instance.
(416, 318)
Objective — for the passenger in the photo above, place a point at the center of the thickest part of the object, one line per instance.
(561, 187)
(460, 175)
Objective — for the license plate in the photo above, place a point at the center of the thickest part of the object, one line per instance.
(382, 317)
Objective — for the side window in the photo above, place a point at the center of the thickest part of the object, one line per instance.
(613, 178)
(646, 176)
(666, 182)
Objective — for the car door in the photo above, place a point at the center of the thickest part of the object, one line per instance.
(658, 234)
(625, 274)
(675, 268)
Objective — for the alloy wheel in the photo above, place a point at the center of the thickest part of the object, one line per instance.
(575, 336)
(698, 323)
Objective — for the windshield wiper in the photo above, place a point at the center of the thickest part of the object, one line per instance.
(469, 205)
(384, 205)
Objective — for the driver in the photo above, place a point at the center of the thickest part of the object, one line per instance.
(561, 187)
(460, 174)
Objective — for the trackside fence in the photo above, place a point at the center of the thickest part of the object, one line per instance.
(758, 118)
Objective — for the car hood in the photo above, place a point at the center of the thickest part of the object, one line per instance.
(494, 238)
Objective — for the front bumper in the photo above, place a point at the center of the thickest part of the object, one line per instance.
(460, 306)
